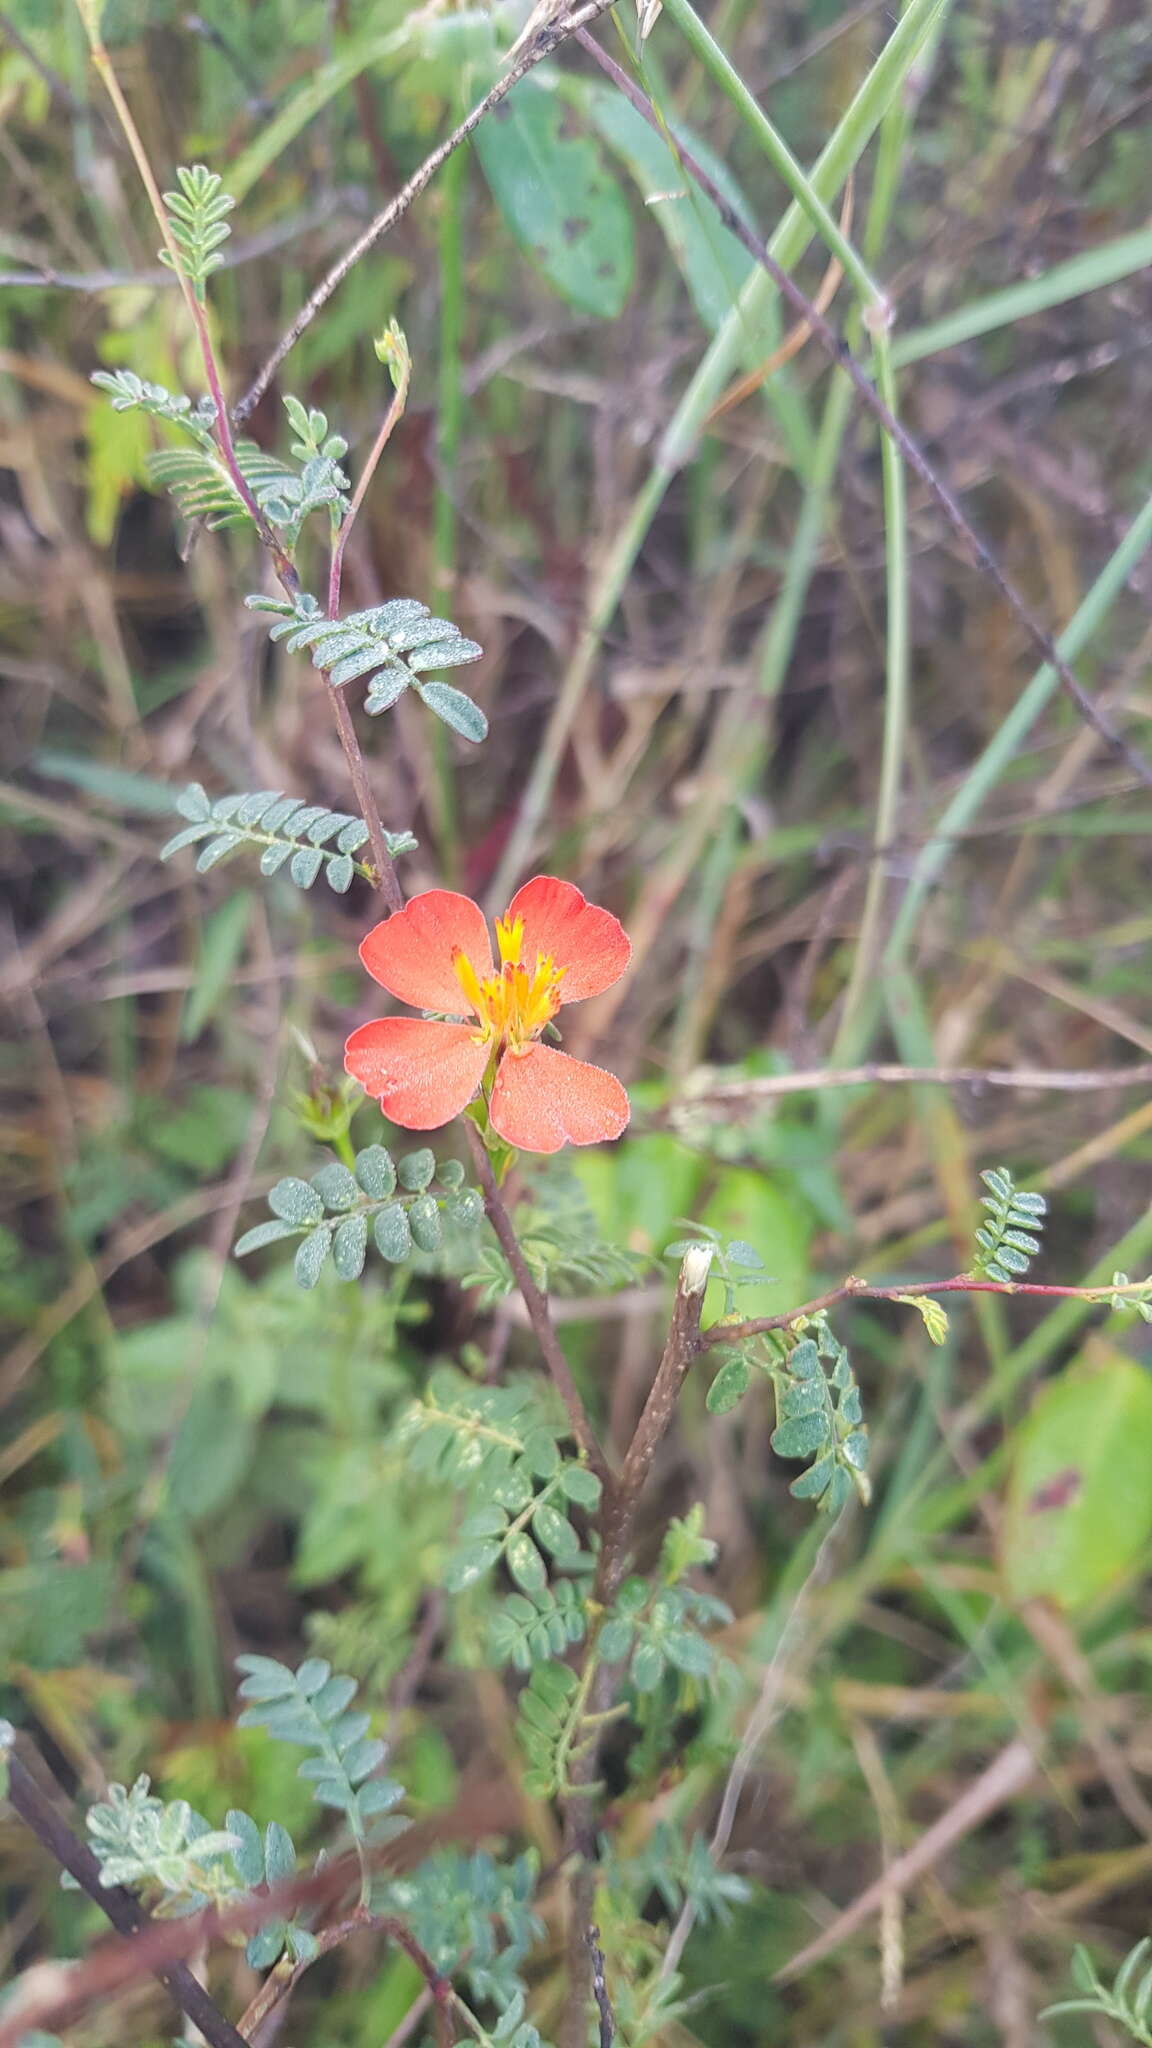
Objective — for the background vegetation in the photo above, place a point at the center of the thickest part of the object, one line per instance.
(794, 737)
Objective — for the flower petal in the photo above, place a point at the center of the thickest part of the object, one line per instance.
(411, 953)
(421, 1073)
(589, 942)
(544, 1099)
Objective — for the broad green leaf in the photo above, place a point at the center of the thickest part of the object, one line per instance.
(557, 196)
(248, 1856)
(210, 1453)
(1079, 1510)
(711, 261)
(279, 1853)
(690, 1652)
(801, 1436)
(336, 1187)
(648, 1667)
(638, 1189)
(555, 1531)
(769, 1216)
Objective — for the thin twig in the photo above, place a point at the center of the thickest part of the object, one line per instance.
(766, 1087)
(1005, 1778)
(840, 353)
(483, 1809)
(548, 40)
(769, 1705)
(960, 1283)
(393, 415)
(538, 1313)
(385, 871)
(240, 252)
(126, 1913)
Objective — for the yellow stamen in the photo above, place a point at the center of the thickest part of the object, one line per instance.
(514, 1005)
(509, 939)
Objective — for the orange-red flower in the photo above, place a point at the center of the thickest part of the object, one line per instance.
(554, 948)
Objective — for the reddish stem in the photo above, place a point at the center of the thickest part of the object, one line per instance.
(859, 1290)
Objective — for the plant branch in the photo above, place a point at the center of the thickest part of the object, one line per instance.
(767, 1087)
(617, 1522)
(125, 1912)
(484, 1808)
(391, 419)
(282, 1981)
(542, 46)
(681, 1346)
(539, 1314)
(839, 352)
(961, 1283)
(386, 879)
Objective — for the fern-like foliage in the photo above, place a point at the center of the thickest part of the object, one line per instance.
(1127, 2000)
(473, 1916)
(527, 1630)
(1128, 1297)
(332, 1213)
(658, 1629)
(551, 1730)
(562, 1246)
(289, 833)
(1008, 1240)
(396, 645)
(151, 1844)
(819, 1416)
(310, 1707)
(818, 1408)
(501, 1446)
(202, 485)
(130, 393)
(167, 1852)
(321, 481)
(680, 1869)
(201, 482)
(198, 223)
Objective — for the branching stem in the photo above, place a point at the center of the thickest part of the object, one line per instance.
(961, 1283)
(385, 870)
(542, 46)
(127, 1915)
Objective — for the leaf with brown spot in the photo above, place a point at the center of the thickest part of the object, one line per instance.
(549, 179)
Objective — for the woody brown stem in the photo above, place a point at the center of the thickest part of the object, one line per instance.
(617, 1525)
(539, 1314)
(125, 1912)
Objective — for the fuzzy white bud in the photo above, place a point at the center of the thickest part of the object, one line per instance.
(694, 1269)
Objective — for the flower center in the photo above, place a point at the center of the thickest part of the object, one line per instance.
(514, 1004)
